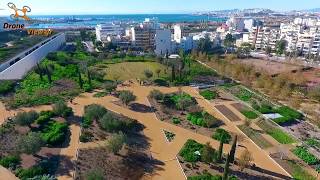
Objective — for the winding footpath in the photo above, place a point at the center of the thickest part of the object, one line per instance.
(159, 147)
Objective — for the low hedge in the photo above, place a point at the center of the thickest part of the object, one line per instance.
(203, 119)
(54, 133)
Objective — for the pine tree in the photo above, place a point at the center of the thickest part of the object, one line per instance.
(89, 78)
(226, 168)
(39, 71)
(220, 151)
(173, 75)
(80, 79)
(233, 149)
(48, 74)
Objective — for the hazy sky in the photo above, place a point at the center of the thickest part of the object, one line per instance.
(150, 6)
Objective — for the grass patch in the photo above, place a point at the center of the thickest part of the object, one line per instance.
(250, 114)
(131, 70)
(276, 133)
(289, 115)
(208, 94)
(203, 119)
(255, 136)
(189, 149)
(313, 142)
(299, 173)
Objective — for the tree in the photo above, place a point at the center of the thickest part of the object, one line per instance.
(229, 41)
(208, 153)
(222, 135)
(233, 149)
(173, 73)
(220, 152)
(148, 73)
(183, 103)
(245, 159)
(205, 44)
(80, 79)
(48, 71)
(31, 143)
(158, 71)
(156, 94)
(268, 50)
(93, 112)
(26, 118)
(116, 142)
(226, 168)
(126, 97)
(39, 71)
(89, 77)
(281, 46)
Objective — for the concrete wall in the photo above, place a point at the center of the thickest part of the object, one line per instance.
(20, 68)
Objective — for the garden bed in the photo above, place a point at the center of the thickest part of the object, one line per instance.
(255, 136)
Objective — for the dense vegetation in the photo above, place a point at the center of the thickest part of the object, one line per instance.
(250, 114)
(305, 155)
(208, 94)
(189, 149)
(203, 119)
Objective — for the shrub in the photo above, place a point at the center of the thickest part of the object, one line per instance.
(161, 82)
(222, 135)
(110, 123)
(182, 101)
(45, 117)
(85, 137)
(305, 155)
(61, 109)
(209, 95)
(148, 73)
(10, 161)
(93, 112)
(54, 133)
(26, 118)
(250, 114)
(208, 154)
(43, 177)
(116, 142)
(189, 149)
(156, 94)
(95, 174)
(126, 97)
(203, 119)
(31, 143)
(6, 86)
(176, 120)
(264, 109)
(110, 86)
(31, 172)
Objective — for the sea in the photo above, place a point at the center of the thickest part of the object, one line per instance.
(78, 21)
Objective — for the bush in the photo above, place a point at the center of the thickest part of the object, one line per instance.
(26, 118)
(116, 142)
(189, 149)
(45, 117)
(110, 122)
(288, 112)
(10, 161)
(222, 135)
(126, 97)
(54, 133)
(176, 120)
(85, 137)
(31, 172)
(95, 174)
(264, 109)
(203, 119)
(6, 87)
(209, 95)
(305, 155)
(156, 94)
(161, 82)
(250, 114)
(91, 113)
(181, 101)
(30, 143)
(61, 109)
(110, 86)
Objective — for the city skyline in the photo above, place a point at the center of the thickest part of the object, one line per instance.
(149, 7)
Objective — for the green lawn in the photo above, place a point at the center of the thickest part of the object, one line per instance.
(250, 114)
(276, 133)
(132, 70)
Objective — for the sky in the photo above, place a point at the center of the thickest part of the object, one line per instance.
(74, 7)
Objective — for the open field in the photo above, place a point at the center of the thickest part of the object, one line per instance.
(271, 67)
(131, 70)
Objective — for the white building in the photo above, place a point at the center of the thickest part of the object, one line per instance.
(177, 33)
(249, 23)
(108, 31)
(163, 42)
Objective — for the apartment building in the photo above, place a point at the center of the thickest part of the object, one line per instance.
(108, 31)
(144, 38)
(163, 43)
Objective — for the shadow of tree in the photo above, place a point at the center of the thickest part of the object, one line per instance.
(141, 108)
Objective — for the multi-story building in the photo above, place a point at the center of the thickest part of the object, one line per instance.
(144, 38)
(163, 42)
(108, 31)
